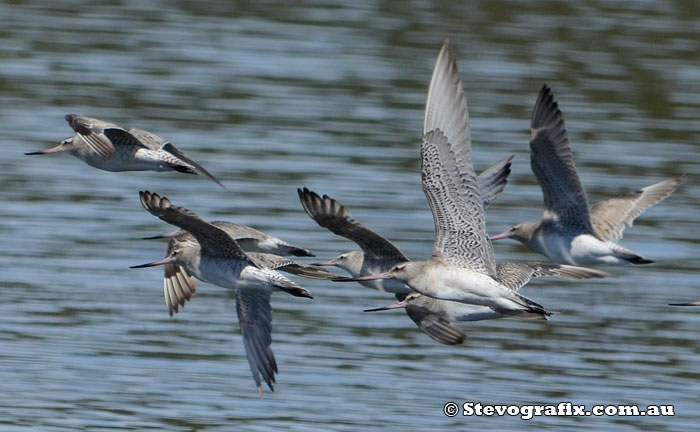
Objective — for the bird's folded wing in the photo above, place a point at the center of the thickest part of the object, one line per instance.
(102, 137)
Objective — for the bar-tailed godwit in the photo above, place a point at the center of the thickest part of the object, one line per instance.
(109, 147)
(571, 231)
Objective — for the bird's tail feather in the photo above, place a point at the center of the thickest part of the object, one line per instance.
(531, 308)
(630, 256)
(282, 283)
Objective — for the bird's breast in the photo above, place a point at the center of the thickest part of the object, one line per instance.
(455, 283)
(224, 273)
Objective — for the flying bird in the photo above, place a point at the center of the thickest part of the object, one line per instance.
(219, 260)
(179, 286)
(571, 231)
(462, 267)
(109, 147)
(378, 254)
(441, 315)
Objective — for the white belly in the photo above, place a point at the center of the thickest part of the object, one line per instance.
(466, 286)
(139, 161)
(469, 312)
(583, 249)
(225, 273)
(553, 245)
(576, 250)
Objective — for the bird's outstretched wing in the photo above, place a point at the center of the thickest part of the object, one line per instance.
(335, 217)
(213, 241)
(178, 287)
(449, 180)
(432, 324)
(255, 318)
(610, 217)
(565, 201)
(493, 180)
(458, 213)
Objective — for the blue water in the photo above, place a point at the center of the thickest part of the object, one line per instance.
(272, 96)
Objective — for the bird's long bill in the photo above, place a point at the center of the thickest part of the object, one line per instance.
(502, 235)
(56, 149)
(167, 235)
(695, 303)
(364, 278)
(329, 263)
(398, 305)
(154, 263)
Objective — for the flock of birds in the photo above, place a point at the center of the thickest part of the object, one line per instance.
(460, 282)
